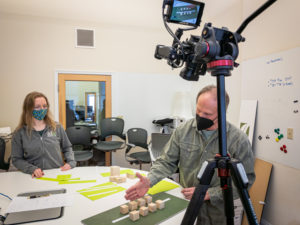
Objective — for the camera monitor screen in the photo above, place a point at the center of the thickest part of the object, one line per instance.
(186, 12)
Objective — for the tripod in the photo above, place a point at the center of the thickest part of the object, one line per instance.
(215, 51)
(226, 166)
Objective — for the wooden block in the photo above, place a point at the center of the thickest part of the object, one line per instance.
(144, 211)
(134, 215)
(152, 207)
(130, 175)
(148, 199)
(124, 209)
(132, 205)
(160, 204)
(120, 179)
(112, 178)
(114, 171)
(141, 202)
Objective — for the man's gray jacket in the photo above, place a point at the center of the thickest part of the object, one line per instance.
(188, 149)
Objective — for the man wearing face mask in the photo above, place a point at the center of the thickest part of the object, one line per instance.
(192, 144)
(38, 142)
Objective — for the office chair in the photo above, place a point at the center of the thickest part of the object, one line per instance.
(110, 127)
(3, 165)
(158, 142)
(137, 137)
(80, 137)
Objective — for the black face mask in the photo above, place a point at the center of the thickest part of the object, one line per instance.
(203, 123)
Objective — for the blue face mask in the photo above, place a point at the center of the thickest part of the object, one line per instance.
(39, 114)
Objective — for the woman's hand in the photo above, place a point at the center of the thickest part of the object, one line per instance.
(37, 173)
(65, 167)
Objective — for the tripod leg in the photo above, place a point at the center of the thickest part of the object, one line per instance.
(205, 175)
(228, 199)
(195, 205)
(241, 182)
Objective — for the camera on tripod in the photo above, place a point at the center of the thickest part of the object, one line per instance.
(216, 47)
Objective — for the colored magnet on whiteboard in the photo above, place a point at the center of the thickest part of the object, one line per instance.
(276, 139)
(277, 130)
(259, 137)
(283, 148)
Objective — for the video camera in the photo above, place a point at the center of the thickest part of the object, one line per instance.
(215, 48)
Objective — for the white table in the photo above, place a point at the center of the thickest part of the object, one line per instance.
(13, 183)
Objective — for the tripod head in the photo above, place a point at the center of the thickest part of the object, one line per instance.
(214, 51)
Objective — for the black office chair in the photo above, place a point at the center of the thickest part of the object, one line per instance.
(3, 165)
(137, 138)
(113, 126)
(80, 137)
(158, 141)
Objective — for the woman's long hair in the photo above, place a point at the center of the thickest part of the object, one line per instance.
(28, 107)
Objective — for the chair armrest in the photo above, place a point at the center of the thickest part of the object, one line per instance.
(101, 138)
(131, 145)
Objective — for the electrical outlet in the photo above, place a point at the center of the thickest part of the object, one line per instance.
(290, 133)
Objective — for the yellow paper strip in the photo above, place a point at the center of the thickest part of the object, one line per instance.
(101, 191)
(161, 187)
(76, 181)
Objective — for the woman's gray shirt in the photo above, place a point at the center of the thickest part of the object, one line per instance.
(44, 152)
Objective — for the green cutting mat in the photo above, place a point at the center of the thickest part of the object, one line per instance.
(172, 207)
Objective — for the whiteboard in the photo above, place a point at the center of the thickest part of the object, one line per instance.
(274, 81)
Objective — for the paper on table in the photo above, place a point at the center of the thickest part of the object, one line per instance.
(161, 187)
(101, 190)
(66, 179)
(20, 204)
(107, 174)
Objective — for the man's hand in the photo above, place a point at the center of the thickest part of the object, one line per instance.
(37, 173)
(65, 167)
(188, 193)
(139, 189)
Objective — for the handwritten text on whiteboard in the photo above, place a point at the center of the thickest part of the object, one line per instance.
(280, 82)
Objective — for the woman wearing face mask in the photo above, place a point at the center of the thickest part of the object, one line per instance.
(38, 142)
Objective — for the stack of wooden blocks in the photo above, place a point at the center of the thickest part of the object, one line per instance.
(144, 204)
(115, 175)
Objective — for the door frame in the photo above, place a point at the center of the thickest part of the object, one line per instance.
(63, 77)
